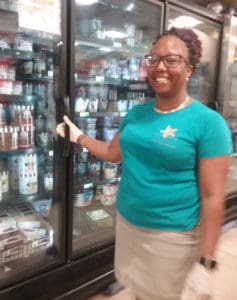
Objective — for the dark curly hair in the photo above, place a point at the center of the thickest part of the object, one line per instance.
(191, 40)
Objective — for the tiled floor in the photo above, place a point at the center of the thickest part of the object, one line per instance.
(225, 279)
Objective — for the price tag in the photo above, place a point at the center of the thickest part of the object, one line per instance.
(84, 114)
(88, 185)
(117, 45)
(99, 78)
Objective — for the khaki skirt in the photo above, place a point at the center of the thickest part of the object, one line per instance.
(154, 263)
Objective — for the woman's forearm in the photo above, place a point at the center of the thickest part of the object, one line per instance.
(212, 213)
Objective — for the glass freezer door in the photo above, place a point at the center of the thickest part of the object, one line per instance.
(230, 104)
(202, 83)
(111, 39)
(29, 214)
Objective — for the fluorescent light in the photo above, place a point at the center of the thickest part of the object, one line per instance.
(86, 2)
(130, 7)
(105, 49)
(184, 21)
(115, 34)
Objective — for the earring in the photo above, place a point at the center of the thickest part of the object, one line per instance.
(187, 78)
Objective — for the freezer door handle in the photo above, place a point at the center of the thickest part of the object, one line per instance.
(66, 147)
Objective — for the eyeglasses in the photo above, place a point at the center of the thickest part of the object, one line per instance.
(170, 61)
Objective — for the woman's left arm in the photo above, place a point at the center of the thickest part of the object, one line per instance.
(212, 174)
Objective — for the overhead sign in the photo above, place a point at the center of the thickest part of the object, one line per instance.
(43, 15)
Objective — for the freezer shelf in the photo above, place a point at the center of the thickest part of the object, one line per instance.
(22, 234)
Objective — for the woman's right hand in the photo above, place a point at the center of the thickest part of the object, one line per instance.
(75, 132)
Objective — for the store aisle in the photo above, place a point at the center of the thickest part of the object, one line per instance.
(224, 279)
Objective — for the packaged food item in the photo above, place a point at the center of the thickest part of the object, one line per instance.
(81, 104)
(109, 133)
(99, 219)
(27, 163)
(90, 123)
(8, 138)
(48, 181)
(26, 137)
(108, 121)
(93, 105)
(98, 193)
(42, 207)
(3, 71)
(4, 181)
(2, 114)
(102, 104)
(6, 87)
(94, 167)
(13, 172)
(23, 42)
(122, 105)
(28, 183)
(83, 197)
(4, 42)
(17, 88)
(109, 193)
(110, 170)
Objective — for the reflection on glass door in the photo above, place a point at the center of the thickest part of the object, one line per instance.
(229, 78)
(111, 40)
(27, 122)
(202, 83)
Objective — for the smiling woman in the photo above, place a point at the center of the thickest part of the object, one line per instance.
(173, 179)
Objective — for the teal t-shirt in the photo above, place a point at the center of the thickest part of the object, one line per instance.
(160, 152)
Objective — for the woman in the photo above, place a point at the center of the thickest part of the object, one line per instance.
(175, 157)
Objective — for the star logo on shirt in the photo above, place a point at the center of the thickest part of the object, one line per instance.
(168, 131)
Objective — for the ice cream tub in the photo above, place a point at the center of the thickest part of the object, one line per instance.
(83, 198)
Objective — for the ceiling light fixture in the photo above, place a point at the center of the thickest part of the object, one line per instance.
(86, 2)
(105, 49)
(130, 7)
(115, 34)
(183, 21)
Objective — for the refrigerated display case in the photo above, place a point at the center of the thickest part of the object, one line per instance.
(57, 201)
(228, 76)
(227, 98)
(203, 80)
(110, 39)
(32, 238)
